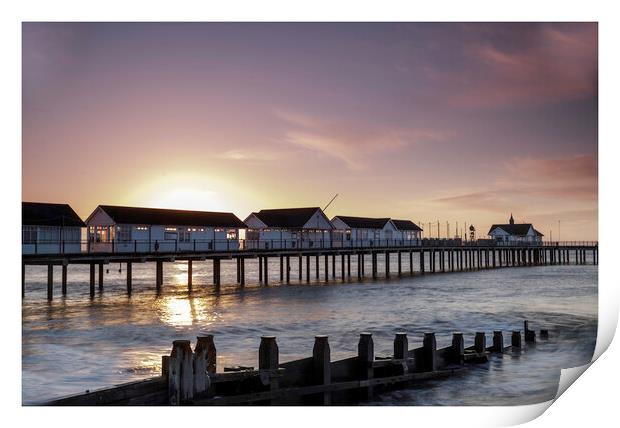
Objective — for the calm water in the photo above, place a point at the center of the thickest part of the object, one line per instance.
(76, 343)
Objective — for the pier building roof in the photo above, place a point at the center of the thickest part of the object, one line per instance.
(519, 229)
(406, 225)
(363, 222)
(289, 217)
(164, 217)
(46, 214)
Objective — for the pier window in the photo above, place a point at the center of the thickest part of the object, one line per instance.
(184, 235)
(231, 234)
(29, 234)
(49, 234)
(123, 233)
(71, 234)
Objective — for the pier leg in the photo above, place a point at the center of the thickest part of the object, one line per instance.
(494, 263)
(387, 264)
(411, 262)
(422, 261)
(129, 274)
(317, 267)
(321, 367)
(334, 265)
(242, 269)
(373, 261)
(266, 270)
(288, 269)
(260, 270)
(342, 271)
(281, 268)
(190, 273)
(326, 267)
(64, 279)
(359, 266)
(400, 268)
(365, 358)
(50, 282)
(308, 268)
(300, 264)
(100, 276)
(349, 265)
(159, 274)
(238, 262)
(92, 280)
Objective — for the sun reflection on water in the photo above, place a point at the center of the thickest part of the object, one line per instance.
(185, 311)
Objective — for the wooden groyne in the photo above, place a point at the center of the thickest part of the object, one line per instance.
(329, 263)
(190, 377)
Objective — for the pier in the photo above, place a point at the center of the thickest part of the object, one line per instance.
(434, 256)
(190, 376)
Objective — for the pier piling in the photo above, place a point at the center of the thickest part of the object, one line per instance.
(50, 282)
(92, 280)
(100, 276)
(64, 279)
(129, 277)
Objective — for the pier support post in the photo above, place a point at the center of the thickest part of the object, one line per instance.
(422, 261)
(190, 273)
(238, 263)
(401, 346)
(458, 347)
(365, 359)
(281, 268)
(317, 266)
(288, 269)
(129, 277)
(308, 268)
(480, 342)
(180, 373)
(411, 262)
(300, 262)
(516, 339)
(260, 270)
(242, 269)
(159, 274)
(326, 267)
(50, 282)
(400, 268)
(373, 262)
(349, 265)
(429, 346)
(387, 264)
(64, 279)
(342, 271)
(92, 280)
(498, 341)
(359, 266)
(266, 270)
(334, 265)
(100, 276)
(217, 272)
(321, 366)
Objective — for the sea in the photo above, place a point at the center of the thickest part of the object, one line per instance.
(77, 343)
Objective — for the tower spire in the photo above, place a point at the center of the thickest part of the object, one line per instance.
(512, 220)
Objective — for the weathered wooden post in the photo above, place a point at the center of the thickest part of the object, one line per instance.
(242, 270)
(159, 274)
(429, 345)
(334, 265)
(458, 347)
(401, 346)
(321, 366)
(498, 341)
(92, 280)
(317, 266)
(411, 262)
(266, 270)
(201, 379)
(50, 282)
(422, 261)
(387, 264)
(342, 269)
(544, 334)
(365, 359)
(180, 373)
(400, 269)
(190, 273)
(129, 277)
(516, 339)
(217, 263)
(300, 263)
(268, 354)
(349, 265)
(260, 270)
(480, 342)
(307, 268)
(281, 268)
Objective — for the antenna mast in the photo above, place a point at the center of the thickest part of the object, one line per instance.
(330, 202)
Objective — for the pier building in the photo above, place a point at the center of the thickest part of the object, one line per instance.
(515, 232)
(50, 229)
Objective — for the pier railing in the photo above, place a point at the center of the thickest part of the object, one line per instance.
(190, 376)
(214, 245)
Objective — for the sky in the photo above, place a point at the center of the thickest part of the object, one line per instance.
(432, 122)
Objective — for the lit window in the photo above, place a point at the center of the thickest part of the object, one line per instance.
(231, 234)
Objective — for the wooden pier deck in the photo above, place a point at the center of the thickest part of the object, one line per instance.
(190, 377)
(433, 257)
